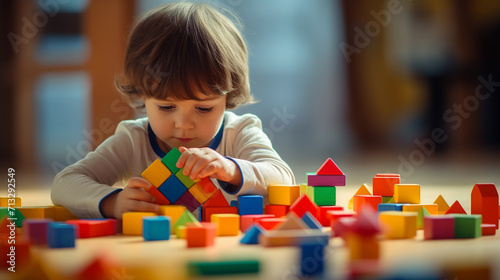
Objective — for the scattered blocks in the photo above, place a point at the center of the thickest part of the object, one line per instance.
(223, 267)
(360, 201)
(407, 193)
(322, 195)
(398, 224)
(36, 230)
(363, 190)
(467, 226)
(383, 184)
(250, 204)
(156, 228)
(201, 236)
(227, 224)
(312, 258)
(132, 222)
(456, 208)
(283, 194)
(439, 227)
(61, 235)
(442, 205)
(252, 235)
(484, 201)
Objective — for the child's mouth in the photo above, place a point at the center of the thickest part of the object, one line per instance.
(184, 140)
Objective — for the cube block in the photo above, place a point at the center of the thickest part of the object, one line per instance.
(132, 222)
(172, 189)
(283, 194)
(156, 228)
(277, 210)
(360, 201)
(170, 160)
(36, 230)
(250, 204)
(383, 184)
(61, 235)
(156, 173)
(467, 226)
(227, 224)
(322, 195)
(201, 236)
(439, 227)
(398, 224)
(407, 193)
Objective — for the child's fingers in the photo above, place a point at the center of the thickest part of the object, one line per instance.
(184, 156)
(136, 182)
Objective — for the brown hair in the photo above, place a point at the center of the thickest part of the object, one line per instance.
(177, 50)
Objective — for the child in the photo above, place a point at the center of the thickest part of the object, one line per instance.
(185, 64)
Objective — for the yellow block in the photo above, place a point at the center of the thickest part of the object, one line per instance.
(14, 202)
(132, 222)
(407, 193)
(431, 208)
(283, 194)
(396, 224)
(61, 214)
(199, 193)
(362, 247)
(227, 224)
(172, 211)
(363, 190)
(181, 232)
(303, 189)
(156, 173)
(37, 212)
(441, 204)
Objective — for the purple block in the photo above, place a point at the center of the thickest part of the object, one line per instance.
(36, 230)
(439, 227)
(314, 180)
(188, 200)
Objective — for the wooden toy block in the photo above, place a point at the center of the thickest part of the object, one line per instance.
(277, 210)
(323, 214)
(383, 184)
(227, 224)
(172, 189)
(14, 257)
(311, 222)
(92, 228)
(342, 226)
(334, 215)
(132, 222)
(361, 201)
(292, 222)
(252, 234)
(329, 168)
(322, 196)
(37, 212)
(36, 230)
(283, 194)
(160, 198)
(467, 226)
(407, 193)
(188, 200)
(61, 235)
(250, 204)
(203, 236)
(387, 199)
(181, 232)
(170, 160)
(156, 173)
(442, 205)
(455, 208)
(247, 220)
(200, 193)
(325, 180)
(390, 207)
(172, 211)
(270, 223)
(185, 180)
(216, 200)
(207, 185)
(488, 229)
(439, 227)
(397, 225)
(209, 211)
(62, 214)
(277, 238)
(362, 247)
(12, 214)
(225, 267)
(312, 256)
(363, 190)
(484, 201)
(156, 228)
(185, 218)
(6, 201)
(304, 204)
(431, 208)
(303, 188)
(100, 268)
(366, 223)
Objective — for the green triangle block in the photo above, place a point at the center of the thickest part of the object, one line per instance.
(13, 215)
(387, 199)
(170, 159)
(186, 217)
(420, 217)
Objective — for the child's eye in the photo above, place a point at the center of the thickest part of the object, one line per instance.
(165, 108)
(205, 109)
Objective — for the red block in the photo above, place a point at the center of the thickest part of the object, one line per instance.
(323, 216)
(217, 199)
(270, 223)
(383, 184)
(208, 211)
(329, 168)
(277, 210)
(304, 204)
(201, 236)
(207, 185)
(160, 198)
(343, 225)
(93, 228)
(333, 216)
(456, 208)
(488, 229)
(484, 201)
(439, 227)
(359, 201)
(248, 220)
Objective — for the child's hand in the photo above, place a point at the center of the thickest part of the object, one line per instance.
(133, 198)
(205, 162)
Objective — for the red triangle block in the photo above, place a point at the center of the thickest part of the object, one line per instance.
(304, 204)
(329, 168)
(456, 208)
(217, 199)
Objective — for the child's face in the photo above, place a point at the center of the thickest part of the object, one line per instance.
(188, 123)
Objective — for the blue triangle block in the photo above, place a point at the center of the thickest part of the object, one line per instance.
(252, 234)
(310, 221)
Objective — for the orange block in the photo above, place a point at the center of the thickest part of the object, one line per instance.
(362, 247)
(488, 229)
(359, 201)
(363, 190)
(160, 198)
(271, 223)
(484, 201)
(383, 184)
(277, 210)
(203, 236)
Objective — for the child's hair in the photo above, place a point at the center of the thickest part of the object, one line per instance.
(180, 49)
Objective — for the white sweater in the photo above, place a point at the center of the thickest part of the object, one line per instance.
(82, 186)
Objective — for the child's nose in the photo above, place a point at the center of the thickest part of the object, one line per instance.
(184, 121)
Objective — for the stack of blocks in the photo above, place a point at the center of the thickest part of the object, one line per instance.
(321, 186)
(280, 199)
(173, 187)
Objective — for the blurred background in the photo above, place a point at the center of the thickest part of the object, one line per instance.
(408, 87)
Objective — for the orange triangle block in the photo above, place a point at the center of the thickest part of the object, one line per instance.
(456, 208)
(442, 205)
(329, 168)
(363, 190)
(217, 199)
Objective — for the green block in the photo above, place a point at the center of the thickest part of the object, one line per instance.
(420, 217)
(467, 226)
(185, 218)
(14, 215)
(184, 179)
(322, 196)
(170, 159)
(223, 267)
(387, 199)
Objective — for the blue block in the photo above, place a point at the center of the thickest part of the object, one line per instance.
(61, 235)
(312, 257)
(250, 205)
(252, 234)
(310, 221)
(233, 203)
(172, 189)
(200, 213)
(156, 228)
(390, 207)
